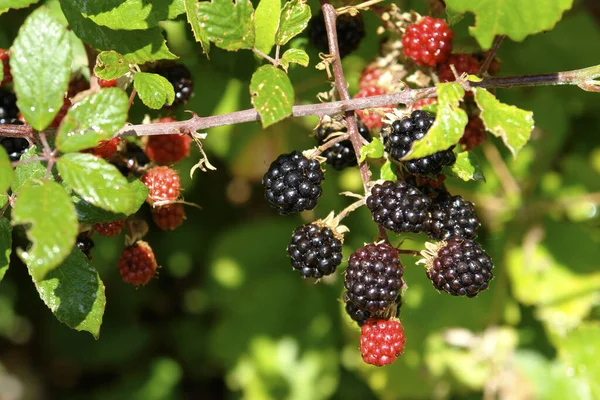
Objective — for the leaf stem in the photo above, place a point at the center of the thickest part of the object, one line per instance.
(274, 61)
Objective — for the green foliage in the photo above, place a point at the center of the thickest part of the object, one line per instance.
(229, 26)
(266, 21)
(387, 172)
(294, 19)
(375, 149)
(297, 56)
(467, 167)
(200, 34)
(30, 171)
(110, 65)
(6, 171)
(154, 90)
(272, 94)
(5, 245)
(6, 4)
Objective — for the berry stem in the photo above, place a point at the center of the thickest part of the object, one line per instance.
(330, 143)
(490, 57)
(344, 213)
(267, 57)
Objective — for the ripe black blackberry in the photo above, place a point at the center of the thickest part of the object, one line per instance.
(85, 244)
(315, 250)
(341, 154)
(350, 31)
(355, 313)
(293, 183)
(398, 206)
(458, 266)
(452, 216)
(400, 137)
(181, 78)
(9, 112)
(373, 278)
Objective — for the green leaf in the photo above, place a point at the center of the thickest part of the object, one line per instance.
(110, 65)
(200, 34)
(6, 4)
(1, 72)
(129, 14)
(74, 293)
(229, 26)
(387, 172)
(272, 94)
(89, 214)
(266, 19)
(6, 171)
(508, 122)
(154, 90)
(514, 18)
(97, 117)
(294, 19)
(24, 173)
(40, 65)
(580, 351)
(375, 149)
(137, 47)
(467, 167)
(5, 245)
(98, 182)
(297, 56)
(53, 226)
(449, 125)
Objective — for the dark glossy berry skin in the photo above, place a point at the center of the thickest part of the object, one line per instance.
(373, 278)
(461, 268)
(452, 216)
(341, 155)
(398, 206)
(9, 114)
(355, 313)
(85, 244)
(293, 183)
(181, 78)
(315, 251)
(400, 138)
(350, 31)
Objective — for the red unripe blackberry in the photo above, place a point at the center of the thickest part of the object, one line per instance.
(167, 149)
(106, 148)
(452, 216)
(381, 341)
(428, 42)
(350, 31)
(61, 113)
(4, 56)
(474, 133)
(181, 78)
(463, 63)
(369, 76)
(459, 266)
(168, 217)
(315, 250)
(372, 119)
(107, 83)
(398, 206)
(137, 264)
(163, 184)
(293, 183)
(419, 104)
(110, 229)
(373, 278)
(341, 154)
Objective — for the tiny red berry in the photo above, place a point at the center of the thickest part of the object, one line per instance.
(166, 149)
(369, 76)
(6, 67)
(463, 63)
(107, 83)
(419, 104)
(110, 229)
(474, 133)
(428, 42)
(137, 264)
(106, 148)
(168, 217)
(61, 113)
(381, 341)
(163, 184)
(372, 119)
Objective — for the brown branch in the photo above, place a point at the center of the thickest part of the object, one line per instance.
(490, 57)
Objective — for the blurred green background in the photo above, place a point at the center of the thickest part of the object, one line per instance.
(227, 317)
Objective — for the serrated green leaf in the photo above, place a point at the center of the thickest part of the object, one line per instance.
(449, 125)
(7, 4)
(154, 90)
(272, 94)
(467, 167)
(387, 172)
(98, 182)
(375, 149)
(40, 65)
(508, 122)
(49, 211)
(453, 17)
(110, 65)
(89, 214)
(293, 20)
(266, 19)
(229, 26)
(74, 293)
(5, 245)
(137, 47)
(200, 34)
(24, 173)
(7, 173)
(129, 14)
(97, 117)
(297, 56)
(514, 18)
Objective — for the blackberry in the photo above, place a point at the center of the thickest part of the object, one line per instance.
(341, 154)
(398, 206)
(14, 146)
(315, 250)
(459, 266)
(358, 315)
(181, 78)
(400, 137)
(350, 31)
(452, 216)
(293, 183)
(84, 243)
(9, 112)
(373, 278)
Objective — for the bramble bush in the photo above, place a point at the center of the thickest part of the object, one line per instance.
(438, 199)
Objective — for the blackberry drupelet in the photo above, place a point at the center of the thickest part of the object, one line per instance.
(181, 78)
(459, 266)
(428, 42)
(9, 114)
(85, 244)
(350, 31)
(341, 154)
(452, 216)
(293, 183)
(315, 250)
(373, 278)
(398, 206)
(355, 313)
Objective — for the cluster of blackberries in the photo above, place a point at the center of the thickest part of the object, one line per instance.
(341, 155)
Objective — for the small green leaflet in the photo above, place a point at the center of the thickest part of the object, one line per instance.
(97, 117)
(272, 94)
(375, 149)
(266, 19)
(74, 293)
(40, 65)
(52, 221)
(229, 26)
(24, 173)
(449, 125)
(508, 122)
(293, 20)
(387, 172)
(5, 245)
(154, 90)
(467, 167)
(110, 65)
(191, 11)
(6, 171)
(6, 4)
(297, 56)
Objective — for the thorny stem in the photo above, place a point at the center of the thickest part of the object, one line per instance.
(490, 57)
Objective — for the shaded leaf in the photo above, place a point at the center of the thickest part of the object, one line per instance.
(110, 65)
(5, 245)
(200, 34)
(375, 149)
(6, 171)
(272, 94)
(229, 26)
(293, 20)
(154, 90)
(467, 167)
